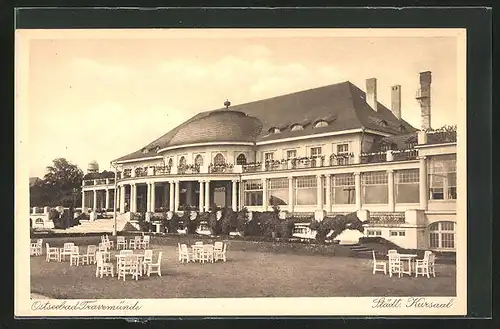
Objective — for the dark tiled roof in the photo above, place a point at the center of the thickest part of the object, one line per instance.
(100, 175)
(342, 105)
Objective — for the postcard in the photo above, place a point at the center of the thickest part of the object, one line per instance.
(240, 172)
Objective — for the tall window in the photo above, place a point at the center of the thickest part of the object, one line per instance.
(182, 161)
(407, 186)
(241, 159)
(170, 162)
(342, 152)
(305, 191)
(198, 161)
(374, 187)
(442, 235)
(278, 191)
(344, 189)
(269, 156)
(315, 151)
(219, 159)
(290, 154)
(442, 171)
(253, 192)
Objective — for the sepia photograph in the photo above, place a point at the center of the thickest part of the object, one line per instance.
(174, 172)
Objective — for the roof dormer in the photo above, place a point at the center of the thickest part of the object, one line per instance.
(296, 127)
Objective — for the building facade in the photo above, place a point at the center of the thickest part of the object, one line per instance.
(323, 151)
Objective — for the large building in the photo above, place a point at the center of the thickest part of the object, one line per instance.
(323, 151)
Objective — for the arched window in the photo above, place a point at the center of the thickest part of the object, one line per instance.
(198, 161)
(170, 162)
(182, 161)
(219, 159)
(442, 235)
(321, 124)
(296, 127)
(241, 159)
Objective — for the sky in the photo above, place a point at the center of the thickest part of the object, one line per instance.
(95, 97)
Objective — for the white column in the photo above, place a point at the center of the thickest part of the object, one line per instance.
(165, 194)
(133, 197)
(357, 183)
(207, 195)
(290, 194)
(423, 189)
(319, 192)
(390, 185)
(177, 194)
(328, 192)
(148, 197)
(94, 207)
(152, 203)
(264, 194)
(171, 201)
(122, 198)
(202, 196)
(233, 194)
(107, 198)
(83, 200)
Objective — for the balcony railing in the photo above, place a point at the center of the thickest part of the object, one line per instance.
(220, 168)
(188, 169)
(387, 218)
(334, 160)
(392, 155)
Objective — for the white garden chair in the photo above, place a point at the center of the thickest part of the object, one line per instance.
(110, 243)
(103, 267)
(52, 253)
(425, 266)
(185, 254)
(75, 257)
(135, 243)
(128, 265)
(395, 264)
(220, 254)
(36, 248)
(121, 243)
(179, 250)
(148, 259)
(378, 265)
(67, 250)
(145, 242)
(155, 267)
(89, 257)
(104, 249)
(207, 255)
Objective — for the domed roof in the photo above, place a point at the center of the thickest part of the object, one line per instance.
(219, 126)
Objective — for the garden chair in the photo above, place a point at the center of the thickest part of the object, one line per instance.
(121, 243)
(135, 243)
(395, 264)
(179, 250)
(155, 267)
(218, 245)
(36, 248)
(103, 267)
(378, 265)
(126, 252)
(145, 242)
(148, 259)
(220, 254)
(52, 253)
(425, 266)
(103, 248)
(90, 255)
(67, 250)
(128, 265)
(207, 254)
(75, 256)
(185, 254)
(110, 243)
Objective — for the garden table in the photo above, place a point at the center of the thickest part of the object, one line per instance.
(407, 258)
(140, 259)
(198, 250)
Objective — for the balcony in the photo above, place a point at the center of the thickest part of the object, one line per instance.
(188, 169)
(388, 156)
(221, 168)
(387, 218)
(335, 160)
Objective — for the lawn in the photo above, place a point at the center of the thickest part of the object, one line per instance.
(247, 273)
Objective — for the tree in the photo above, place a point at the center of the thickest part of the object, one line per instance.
(59, 185)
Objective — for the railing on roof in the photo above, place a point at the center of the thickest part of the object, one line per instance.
(441, 137)
(387, 156)
(334, 160)
(188, 169)
(221, 168)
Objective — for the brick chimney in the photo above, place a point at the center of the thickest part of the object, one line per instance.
(424, 98)
(396, 101)
(371, 93)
